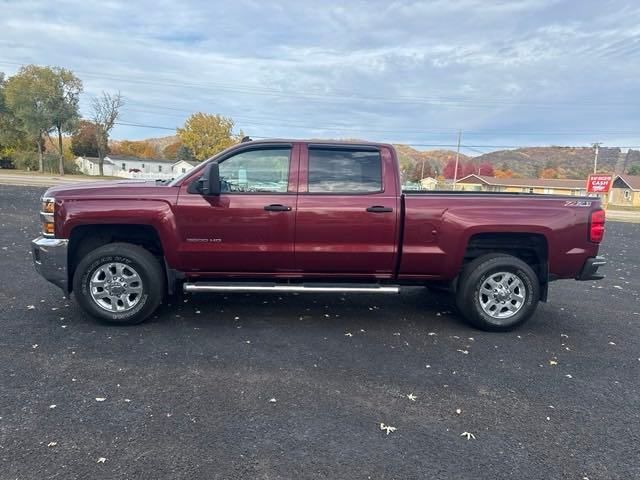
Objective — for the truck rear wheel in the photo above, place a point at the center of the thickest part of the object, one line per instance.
(119, 283)
(497, 292)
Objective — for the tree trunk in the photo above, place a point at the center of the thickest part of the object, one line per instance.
(100, 164)
(40, 155)
(61, 160)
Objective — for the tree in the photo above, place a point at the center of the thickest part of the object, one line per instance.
(64, 107)
(185, 153)
(12, 138)
(205, 134)
(105, 111)
(170, 152)
(84, 140)
(486, 169)
(450, 168)
(138, 149)
(468, 168)
(634, 170)
(29, 95)
(549, 172)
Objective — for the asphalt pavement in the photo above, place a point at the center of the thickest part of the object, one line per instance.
(223, 386)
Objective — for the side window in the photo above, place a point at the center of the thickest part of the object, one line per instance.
(256, 171)
(344, 171)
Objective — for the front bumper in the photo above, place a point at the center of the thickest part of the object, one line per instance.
(50, 260)
(590, 269)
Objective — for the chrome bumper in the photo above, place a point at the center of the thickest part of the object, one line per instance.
(50, 260)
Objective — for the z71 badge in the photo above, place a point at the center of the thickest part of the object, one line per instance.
(578, 203)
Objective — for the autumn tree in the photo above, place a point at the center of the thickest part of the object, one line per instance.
(138, 149)
(64, 107)
(486, 169)
(83, 140)
(28, 95)
(170, 152)
(105, 111)
(205, 134)
(549, 173)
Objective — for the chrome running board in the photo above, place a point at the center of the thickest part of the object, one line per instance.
(274, 287)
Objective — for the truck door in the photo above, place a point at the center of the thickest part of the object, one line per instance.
(249, 228)
(347, 214)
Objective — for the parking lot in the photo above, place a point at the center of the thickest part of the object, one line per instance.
(297, 386)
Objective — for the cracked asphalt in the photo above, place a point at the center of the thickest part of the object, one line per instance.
(297, 386)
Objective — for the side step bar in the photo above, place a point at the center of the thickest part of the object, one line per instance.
(274, 287)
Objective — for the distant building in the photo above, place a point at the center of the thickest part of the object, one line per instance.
(625, 191)
(429, 183)
(523, 185)
(133, 167)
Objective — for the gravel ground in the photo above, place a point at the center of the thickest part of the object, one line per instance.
(293, 386)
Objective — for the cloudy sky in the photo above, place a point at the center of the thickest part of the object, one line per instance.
(506, 73)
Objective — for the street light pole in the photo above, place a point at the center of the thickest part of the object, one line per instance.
(455, 173)
(596, 146)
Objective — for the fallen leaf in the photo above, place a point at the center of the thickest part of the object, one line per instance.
(272, 400)
(52, 406)
(388, 428)
(412, 397)
(348, 334)
(31, 307)
(552, 362)
(100, 399)
(468, 435)
(52, 444)
(101, 460)
(458, 411)
(465, 352)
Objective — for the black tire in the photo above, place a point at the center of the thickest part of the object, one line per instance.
(134, 259)
(478, 273)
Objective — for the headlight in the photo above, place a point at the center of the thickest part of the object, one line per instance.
(46, 216)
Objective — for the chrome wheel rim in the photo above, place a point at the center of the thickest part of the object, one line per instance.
(502, 295)
(115, 287)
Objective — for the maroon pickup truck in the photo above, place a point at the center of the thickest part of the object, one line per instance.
(311, 216)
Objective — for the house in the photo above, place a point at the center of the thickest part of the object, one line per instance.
(133, 167)
(429, 183)
(182, 166)
(551, 186)
(625, 191)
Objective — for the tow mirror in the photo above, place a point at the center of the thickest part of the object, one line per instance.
(210, 181)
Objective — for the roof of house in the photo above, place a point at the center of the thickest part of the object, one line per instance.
(190, 162)
(525, 182)
(127, 158)
(96, 160)
(633, 182)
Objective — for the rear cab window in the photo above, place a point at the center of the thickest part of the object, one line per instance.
(344, 170)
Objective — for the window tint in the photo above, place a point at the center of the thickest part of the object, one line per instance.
(344, 171)
(256, 171)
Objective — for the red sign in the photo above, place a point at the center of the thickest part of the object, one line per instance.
(599, 183)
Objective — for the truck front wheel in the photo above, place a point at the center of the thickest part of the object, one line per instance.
(497, 292)
(119, 283)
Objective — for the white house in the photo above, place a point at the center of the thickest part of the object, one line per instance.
(132, 167)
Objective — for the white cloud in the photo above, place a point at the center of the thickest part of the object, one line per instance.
(380, 70)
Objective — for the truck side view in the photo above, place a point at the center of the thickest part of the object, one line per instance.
(307, 216)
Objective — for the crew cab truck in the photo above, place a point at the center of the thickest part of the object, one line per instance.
(311, 216)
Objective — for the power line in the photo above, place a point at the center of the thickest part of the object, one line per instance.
(323, 96)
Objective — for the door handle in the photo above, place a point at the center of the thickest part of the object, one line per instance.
(277, 207)
(379, 209)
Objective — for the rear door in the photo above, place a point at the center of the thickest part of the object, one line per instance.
(347, 212)
(249, 228)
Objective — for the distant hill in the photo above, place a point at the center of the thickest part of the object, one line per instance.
(568, 162)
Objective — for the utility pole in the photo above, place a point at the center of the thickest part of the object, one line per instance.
(596, 146)
(455, 173)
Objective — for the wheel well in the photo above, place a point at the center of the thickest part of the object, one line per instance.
(531, 248)
(86, 238)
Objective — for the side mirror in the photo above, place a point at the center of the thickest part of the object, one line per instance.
(209, 182)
